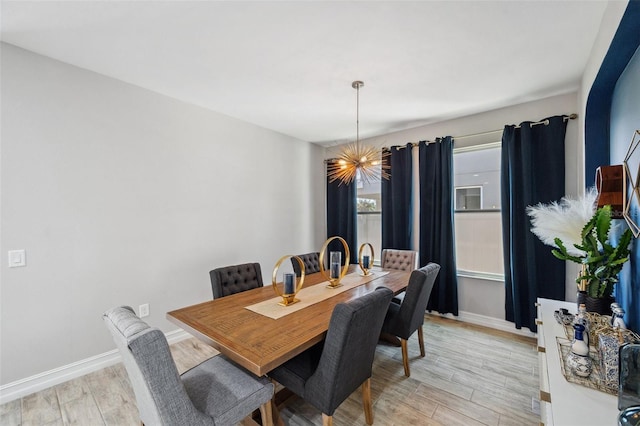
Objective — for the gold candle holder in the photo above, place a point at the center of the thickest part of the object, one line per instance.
(582, 285)
(366, 261)
(288, 297)
(334, 278)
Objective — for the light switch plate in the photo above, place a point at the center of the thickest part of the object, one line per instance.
(17, 258)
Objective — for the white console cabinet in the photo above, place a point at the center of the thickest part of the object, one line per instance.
(563, 403)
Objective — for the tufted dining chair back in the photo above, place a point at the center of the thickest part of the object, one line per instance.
(311, 263)
(401, 260)
(235, 278)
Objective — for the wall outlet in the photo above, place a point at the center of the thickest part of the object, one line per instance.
(143, 310)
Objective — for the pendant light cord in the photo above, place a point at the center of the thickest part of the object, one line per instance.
(358, 116)
(357, 85)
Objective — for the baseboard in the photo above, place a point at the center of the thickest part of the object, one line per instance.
(490, 322)
(38, 382)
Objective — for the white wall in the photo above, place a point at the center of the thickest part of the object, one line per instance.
(481, 297)
(124, 196)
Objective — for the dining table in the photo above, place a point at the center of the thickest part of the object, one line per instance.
(260, 343)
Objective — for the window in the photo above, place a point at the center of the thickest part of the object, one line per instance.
(477, 216)
(369, 208)
(468, 198)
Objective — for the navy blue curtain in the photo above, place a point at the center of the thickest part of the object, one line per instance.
(397, 226)
(437, 236)
(532, 171)
(342, 217)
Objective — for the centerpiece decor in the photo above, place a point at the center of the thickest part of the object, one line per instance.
(337, 272)
(289, 286)
(580, 232)
(365, 260)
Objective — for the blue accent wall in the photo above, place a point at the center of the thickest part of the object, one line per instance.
(624, 121)
(612, 115)
(597, 116)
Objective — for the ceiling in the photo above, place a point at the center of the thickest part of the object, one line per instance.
(288, 65)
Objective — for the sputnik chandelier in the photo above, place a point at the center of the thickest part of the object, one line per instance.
(368, 161)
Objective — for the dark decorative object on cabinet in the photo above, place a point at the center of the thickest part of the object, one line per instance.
(599, 305)
(629, 370)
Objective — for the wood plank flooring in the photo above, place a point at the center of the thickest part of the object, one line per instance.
(470, 376)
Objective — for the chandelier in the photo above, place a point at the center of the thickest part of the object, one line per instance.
(370, 163)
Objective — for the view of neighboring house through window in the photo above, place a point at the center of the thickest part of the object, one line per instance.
(369, 215)
(477, 211)
(468, 198)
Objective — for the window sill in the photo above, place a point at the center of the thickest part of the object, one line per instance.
(487, 276)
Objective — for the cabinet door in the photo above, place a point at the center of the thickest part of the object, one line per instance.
(546, 418)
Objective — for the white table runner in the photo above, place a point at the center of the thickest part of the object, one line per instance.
(313, 294)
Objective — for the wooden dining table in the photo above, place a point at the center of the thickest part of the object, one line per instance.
(259, 343)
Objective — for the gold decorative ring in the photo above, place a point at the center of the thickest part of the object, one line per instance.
(334, 282)
(288, 299)
(365, 271)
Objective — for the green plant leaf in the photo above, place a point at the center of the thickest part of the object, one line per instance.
(561, 252)
(603, 223)
(590, 243)
(603, 260)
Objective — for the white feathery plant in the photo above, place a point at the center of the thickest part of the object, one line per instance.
(564, 220)
(579, 231)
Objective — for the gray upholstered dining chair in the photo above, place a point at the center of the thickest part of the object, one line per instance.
(404, 318)
(311, 263)
(327, 373)
(401, 260)
(216, 392)
(235, 278)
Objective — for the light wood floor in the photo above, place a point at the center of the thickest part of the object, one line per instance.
(470, 376)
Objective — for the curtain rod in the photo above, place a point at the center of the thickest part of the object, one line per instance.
(545, 122)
